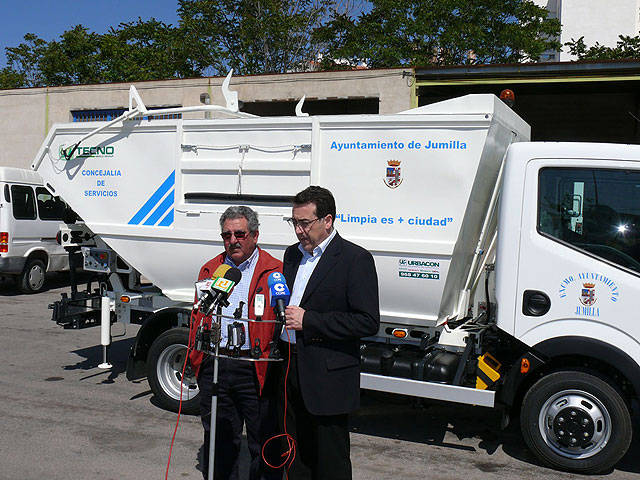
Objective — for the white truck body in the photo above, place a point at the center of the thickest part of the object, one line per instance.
(29, 221)
(439, 195)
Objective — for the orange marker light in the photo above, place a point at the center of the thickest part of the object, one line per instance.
(125, 299)
(399, 333)
(524, 365)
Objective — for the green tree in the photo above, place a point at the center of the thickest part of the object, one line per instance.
(442, 32)
(145, 50)
(135, 51)
(255, 36)
(277, 36)
(72, 60)
(11, 79)
(627, 47)
(23, 62)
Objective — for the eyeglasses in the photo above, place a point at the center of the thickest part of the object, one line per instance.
(239, 234)
(303, 224)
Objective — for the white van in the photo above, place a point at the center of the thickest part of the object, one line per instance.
(30, 216)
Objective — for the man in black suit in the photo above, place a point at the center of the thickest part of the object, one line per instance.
(334, 302)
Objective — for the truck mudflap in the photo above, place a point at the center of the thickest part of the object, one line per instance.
(520, 370)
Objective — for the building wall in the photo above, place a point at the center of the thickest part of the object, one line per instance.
(597, 20)
(27, 114)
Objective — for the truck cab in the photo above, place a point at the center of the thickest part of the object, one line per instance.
(567, 271)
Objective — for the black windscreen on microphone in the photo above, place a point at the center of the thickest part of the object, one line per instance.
(233, 274)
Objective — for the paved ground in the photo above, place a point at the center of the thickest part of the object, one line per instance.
(63, 418)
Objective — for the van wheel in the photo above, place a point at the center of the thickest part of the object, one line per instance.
(576, 421)
(164, 372)
(31, 280)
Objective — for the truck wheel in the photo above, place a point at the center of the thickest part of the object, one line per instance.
(31, 280)
(164, 372)
(576, 421)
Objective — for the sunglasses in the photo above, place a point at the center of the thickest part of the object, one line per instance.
(239, 234)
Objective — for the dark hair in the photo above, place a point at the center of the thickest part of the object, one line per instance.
(241, 212)
(320, 197)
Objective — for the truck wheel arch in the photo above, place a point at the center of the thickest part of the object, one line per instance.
(152, 328)
(552, 354)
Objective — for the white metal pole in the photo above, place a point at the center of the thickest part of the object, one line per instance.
(214, 401)
(105, 330)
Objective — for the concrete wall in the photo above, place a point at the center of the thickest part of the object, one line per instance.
(27, 114)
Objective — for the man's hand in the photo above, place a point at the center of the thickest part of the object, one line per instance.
(294, 316)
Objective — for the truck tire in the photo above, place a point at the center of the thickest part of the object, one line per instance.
(576, 421)
(31, 280)
(164, 372)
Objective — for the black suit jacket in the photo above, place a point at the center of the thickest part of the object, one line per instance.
(341, 306)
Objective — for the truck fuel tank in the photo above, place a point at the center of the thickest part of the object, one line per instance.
(436, 365)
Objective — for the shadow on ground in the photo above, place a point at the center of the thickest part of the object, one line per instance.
(427, 422)
(93, 356)
(54, 280)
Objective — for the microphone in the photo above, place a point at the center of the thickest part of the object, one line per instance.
(203, 286)
(220, 288)
(279, 293)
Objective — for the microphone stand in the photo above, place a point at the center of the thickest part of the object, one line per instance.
(214, 402)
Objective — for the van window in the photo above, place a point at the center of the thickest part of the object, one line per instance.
(594, 210)
(23, 202)
(49, 207)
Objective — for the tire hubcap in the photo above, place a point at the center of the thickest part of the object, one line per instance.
(36, 277)
(575, 424)
(169, 371)
(573, 427)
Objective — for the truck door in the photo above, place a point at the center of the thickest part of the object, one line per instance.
(24, 231)
(579, 257)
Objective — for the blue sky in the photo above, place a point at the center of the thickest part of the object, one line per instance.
(48, 19)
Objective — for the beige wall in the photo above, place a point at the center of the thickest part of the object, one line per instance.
(27, 114)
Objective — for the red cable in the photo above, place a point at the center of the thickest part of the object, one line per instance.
(290, 454)
(184, 367)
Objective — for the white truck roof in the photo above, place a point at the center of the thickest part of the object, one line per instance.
(19, 175)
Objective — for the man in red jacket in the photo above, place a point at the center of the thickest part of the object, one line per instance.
(244, 387)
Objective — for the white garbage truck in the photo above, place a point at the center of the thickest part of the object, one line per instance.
(507, 268)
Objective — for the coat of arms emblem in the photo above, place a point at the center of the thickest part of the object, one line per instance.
(588, 296)
(393, 178)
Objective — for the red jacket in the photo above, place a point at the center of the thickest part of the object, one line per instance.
(264, 331)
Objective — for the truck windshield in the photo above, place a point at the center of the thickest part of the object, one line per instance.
(595, 210)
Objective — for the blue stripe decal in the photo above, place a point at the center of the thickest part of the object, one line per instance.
(167, 220)
(166, 204)
(155, 198)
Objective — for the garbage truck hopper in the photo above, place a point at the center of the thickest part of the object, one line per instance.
(415, 188)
